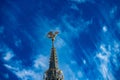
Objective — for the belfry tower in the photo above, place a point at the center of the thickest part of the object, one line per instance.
(53, 73)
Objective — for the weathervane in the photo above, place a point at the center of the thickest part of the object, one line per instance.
(52, 36)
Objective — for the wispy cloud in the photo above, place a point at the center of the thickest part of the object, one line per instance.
(82, 1)
(59, 43)
(79, 1)
(106, 54)
(41, 62)
(23, 73)
(29, 75)
(35, 72)
(71, 29)
(113, 12)
(104, 28)
(105, 66)
(70, 72)
(8, 56)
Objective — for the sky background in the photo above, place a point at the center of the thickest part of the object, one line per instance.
(88, 43)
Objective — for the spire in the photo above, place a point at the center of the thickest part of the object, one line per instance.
(53, 57)
(53, 73)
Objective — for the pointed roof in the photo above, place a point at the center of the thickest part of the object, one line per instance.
(53, 73)
(53, 58)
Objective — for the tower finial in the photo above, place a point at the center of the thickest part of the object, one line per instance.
(52, 36)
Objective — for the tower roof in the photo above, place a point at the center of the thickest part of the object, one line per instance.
(53, 73)
(53, 58)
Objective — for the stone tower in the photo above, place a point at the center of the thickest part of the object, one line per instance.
(53, 73)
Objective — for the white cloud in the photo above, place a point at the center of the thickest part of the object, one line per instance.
(104, 50)
(73, 73)
(11, 67)
(104, 54)
(84, 61)
(82, 1)
(80, 74)
(41, 61)
(59, 42)
(70, 74)
(71, 30)
(8, 56)
(103, 69)
(116, 47)
(106, 72)
(113, 12)
(104, 28)
(73, 62)
(107, 52)
(102, 57)
(29, 75)
(79, 1)
(24, 73)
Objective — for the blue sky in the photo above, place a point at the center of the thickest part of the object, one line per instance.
(88, 44)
